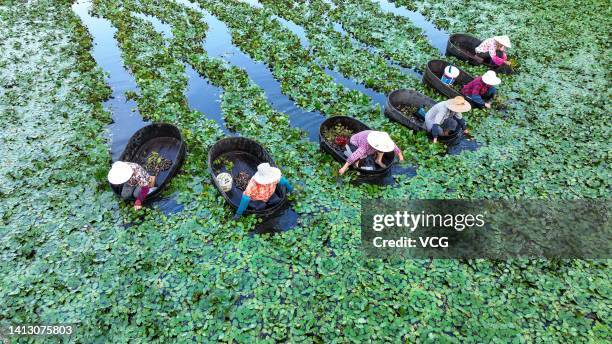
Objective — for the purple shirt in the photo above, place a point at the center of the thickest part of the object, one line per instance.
(475, 87)
(360, 140)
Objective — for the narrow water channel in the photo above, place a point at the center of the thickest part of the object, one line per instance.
(201, 95)
(408, 71)
(106, 53)
(125, 115)
(377, 97)
(219, 44)
(437, 38)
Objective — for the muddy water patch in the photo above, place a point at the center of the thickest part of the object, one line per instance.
(201, 95)
(219, 44)
(466, 144)
(436, 37)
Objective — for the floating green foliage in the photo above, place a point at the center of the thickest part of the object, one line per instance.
(69, 254)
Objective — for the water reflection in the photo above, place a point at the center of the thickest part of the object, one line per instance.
(437, 38)
(219, 44)
(106, 53)
(201, 94)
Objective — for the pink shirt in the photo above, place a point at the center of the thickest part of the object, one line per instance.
(363, 147)
(490, 45)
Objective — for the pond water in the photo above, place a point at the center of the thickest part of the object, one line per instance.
(378, 99)
(219, 44)
(125, 115)
(466, 144)
(281, 222)
(437, 38)
(201, 94)
(296, 29)
(106, 53)
(392, 177)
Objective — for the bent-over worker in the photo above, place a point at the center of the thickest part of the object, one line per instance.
(135, 181)
(482, 89)
(262, 186)
(370, 142)
(489, 47)
(439, 119)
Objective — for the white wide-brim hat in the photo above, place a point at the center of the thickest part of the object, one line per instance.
(458, 104)
(491, 79)
(266, 174)
(120, 173)
(381, 141)
(503, 40)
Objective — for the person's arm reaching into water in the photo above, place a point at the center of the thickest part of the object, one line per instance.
(144, 191)
(285, 182)
(398, 152)
(436, 131)
(358, 154)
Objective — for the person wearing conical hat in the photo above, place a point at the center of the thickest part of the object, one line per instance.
(135, 181)
(262, 186)
(488, 50)
(482, 89)
(446, 116)
(370, 142)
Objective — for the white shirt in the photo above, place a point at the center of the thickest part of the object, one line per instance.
(438, 114)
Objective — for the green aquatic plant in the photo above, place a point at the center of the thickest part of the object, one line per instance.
(156, 163)
(223, 164)
(199, 276)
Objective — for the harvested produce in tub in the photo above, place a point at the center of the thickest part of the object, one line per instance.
(337, 135)
(242, 180)
(341, 141)
(408, 110)
(156, 163)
